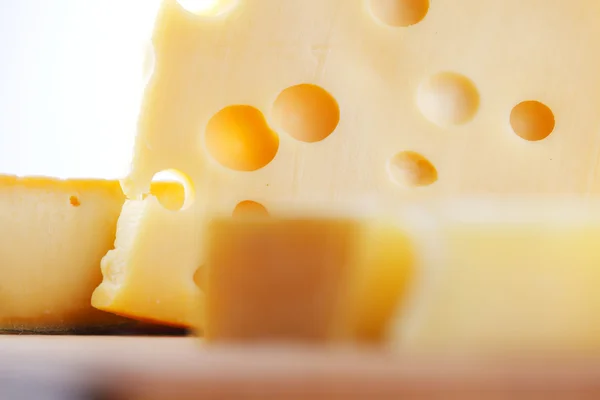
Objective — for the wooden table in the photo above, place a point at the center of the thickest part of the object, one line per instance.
(76, 367)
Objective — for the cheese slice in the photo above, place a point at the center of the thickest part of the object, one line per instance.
(508, 277)
(325, 100)
(54, 234)
(304, 279)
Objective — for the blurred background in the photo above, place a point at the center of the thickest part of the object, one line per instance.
(71, 74)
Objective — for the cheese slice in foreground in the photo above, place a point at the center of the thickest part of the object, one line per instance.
(325, 100)
(54, 234)
(508, 277)
(304, 279)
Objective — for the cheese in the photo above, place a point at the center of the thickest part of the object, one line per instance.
(508, 277)
(325, 100)
(147, 278)
(303, 279)
(249, 208)
(54, 234)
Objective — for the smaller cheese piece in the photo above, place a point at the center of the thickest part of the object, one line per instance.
(509, 276)
(303, 279)
(135, 283)
(54, 234)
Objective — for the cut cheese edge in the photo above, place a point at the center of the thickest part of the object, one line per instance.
(54, 235)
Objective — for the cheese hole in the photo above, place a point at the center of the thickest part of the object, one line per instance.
(249, 208)
(532, 120)
(399, 13)
(239, 138)
(209, 8)
(173, 190)
(306, 112)
(448, 99)
(74, 201)
(411, 169)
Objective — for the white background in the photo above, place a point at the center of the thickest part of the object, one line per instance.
(70, 81)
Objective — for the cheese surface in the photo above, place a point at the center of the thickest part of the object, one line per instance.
(506, 276)
(54, 234)
(144, 276)
(303, 279)
(324, 100)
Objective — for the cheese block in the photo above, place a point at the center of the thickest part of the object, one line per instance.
(304, 279)
(147, 278)
(324, 100)
(508, 277)
(54, 234)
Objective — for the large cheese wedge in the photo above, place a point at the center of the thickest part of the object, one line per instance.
(508, 277)
(54, 234)
(304, 279)
(273, 100)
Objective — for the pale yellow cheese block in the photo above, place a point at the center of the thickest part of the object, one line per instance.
(54, 234)
(508, 277)
(133, 285)
(304, 279)
(327, 100)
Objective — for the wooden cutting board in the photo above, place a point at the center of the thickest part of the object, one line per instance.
(74, 367)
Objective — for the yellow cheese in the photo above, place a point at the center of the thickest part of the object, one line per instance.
(54, 234)
(508, 276)
(303, 279)
(147, 278)
(323, 100)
